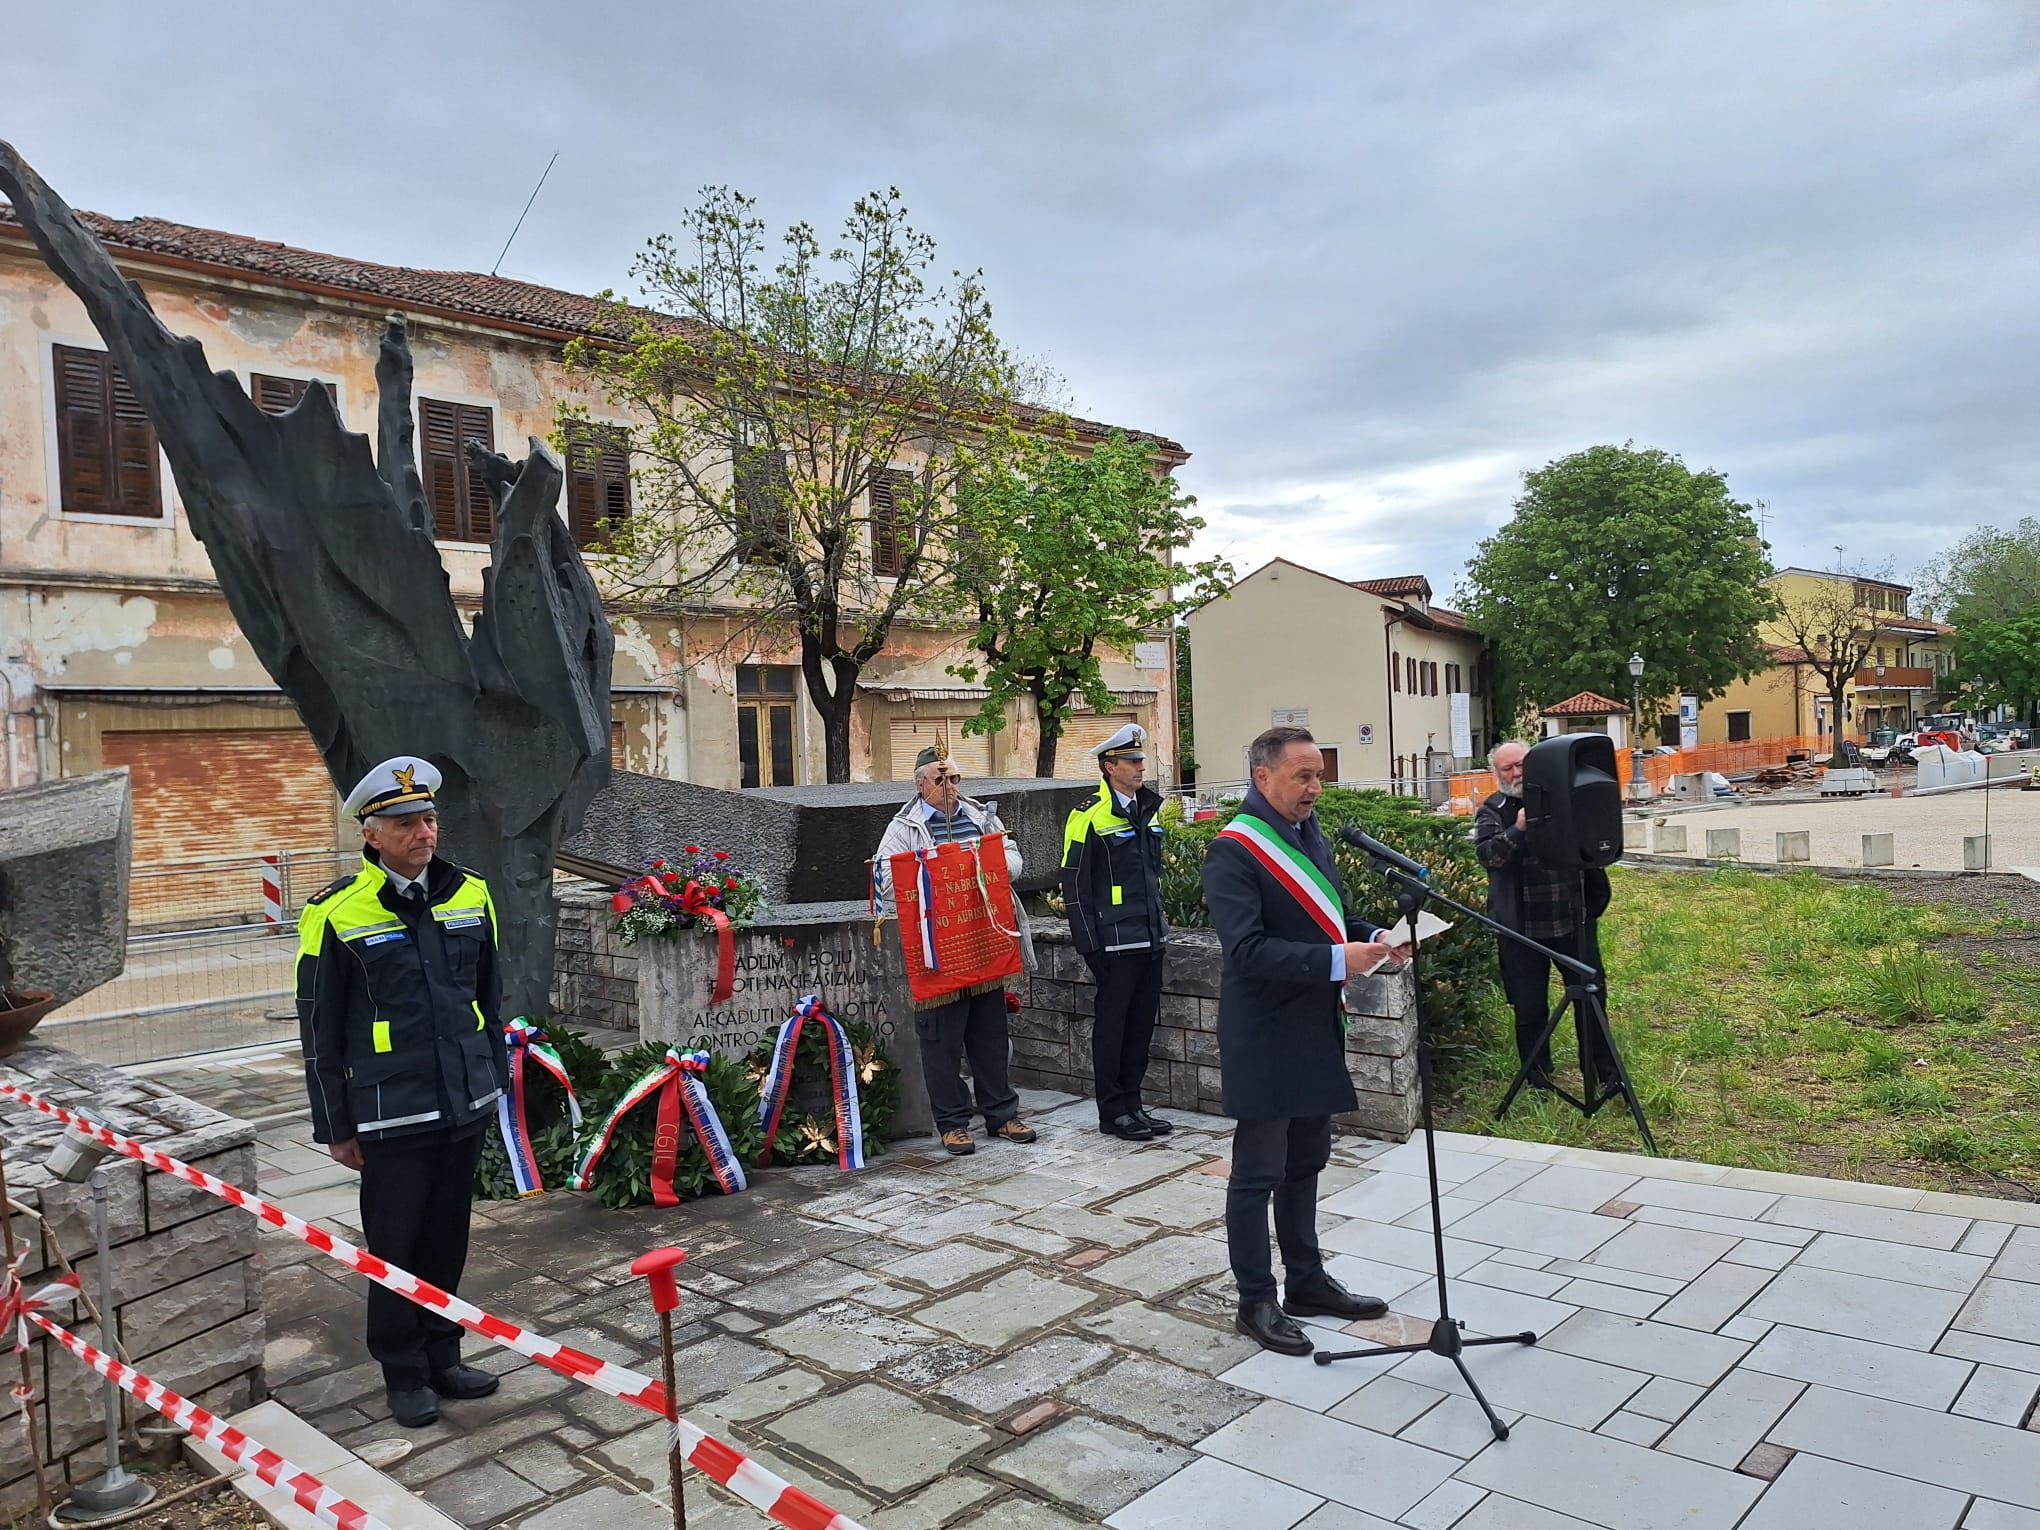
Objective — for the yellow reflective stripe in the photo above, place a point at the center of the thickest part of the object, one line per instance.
(381, 1032)
(1118, 895)
(481, 1024)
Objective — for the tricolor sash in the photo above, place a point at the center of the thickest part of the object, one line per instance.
(525, 1039)
(842, 1078)
(678, 1084)
(1298, 874)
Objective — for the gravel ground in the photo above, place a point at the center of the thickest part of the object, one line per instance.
(220, 1509)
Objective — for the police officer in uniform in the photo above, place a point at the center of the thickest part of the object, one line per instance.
(397, 998)
(1112, 892)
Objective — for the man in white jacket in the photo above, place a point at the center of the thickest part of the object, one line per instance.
(974, 1022)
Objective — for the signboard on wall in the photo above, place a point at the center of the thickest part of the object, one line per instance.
(1151, 655)
(1462, 725)
(1689, 722)
(1289, 717)
(1366, 734)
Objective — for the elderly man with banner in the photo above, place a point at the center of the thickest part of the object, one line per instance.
(946, 864)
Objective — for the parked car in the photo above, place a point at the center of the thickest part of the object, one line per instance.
(1999, 736)
(1888, 746)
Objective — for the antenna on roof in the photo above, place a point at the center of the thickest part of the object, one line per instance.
(527, 209)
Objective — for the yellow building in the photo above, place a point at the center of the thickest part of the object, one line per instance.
(1893, 664)
(1370, 666)
(116, 644)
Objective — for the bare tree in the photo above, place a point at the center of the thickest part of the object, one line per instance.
(1828, 623)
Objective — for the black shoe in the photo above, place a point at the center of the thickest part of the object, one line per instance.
(1132, 1128)
(464, 1383)
(1264, 1323)
(414, 1407)
(1158, 1126)
(1325, 1297)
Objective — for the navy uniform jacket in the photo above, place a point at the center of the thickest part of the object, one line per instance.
(1281, 1047)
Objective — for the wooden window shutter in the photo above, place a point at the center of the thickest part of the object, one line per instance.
(598, 480)
(888, 487)
(455, 488)
(274, 395)
(106, 445)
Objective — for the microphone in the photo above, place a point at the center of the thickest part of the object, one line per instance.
(1375, 850)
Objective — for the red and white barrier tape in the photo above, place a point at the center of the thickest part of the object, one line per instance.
(764, 1491)
(310, 1494)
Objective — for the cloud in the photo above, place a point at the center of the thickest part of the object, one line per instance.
(1368, 263)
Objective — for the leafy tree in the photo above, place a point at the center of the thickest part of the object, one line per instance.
(1989, 575)
(2007, 655)
(807, 426)
(1063, 555)
(1612, 551)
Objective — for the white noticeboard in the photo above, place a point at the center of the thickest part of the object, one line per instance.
(1289, 717)
(1366, 734)
(1462, 725)
(1689, 722)
(1151, 655)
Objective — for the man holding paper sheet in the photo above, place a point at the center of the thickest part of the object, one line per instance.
(1280, 912)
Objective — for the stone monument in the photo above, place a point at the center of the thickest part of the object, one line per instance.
(64, 850)
(326, 557)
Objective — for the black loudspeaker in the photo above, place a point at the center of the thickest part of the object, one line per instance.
(1572, 801)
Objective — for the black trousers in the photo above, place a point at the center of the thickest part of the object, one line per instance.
(415, 1193)
(973, 1026)
(1278, 1161)
(1526, 979)
(1122, 1028)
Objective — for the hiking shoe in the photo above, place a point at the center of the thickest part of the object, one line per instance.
(1015, 1130)
(958, 1142)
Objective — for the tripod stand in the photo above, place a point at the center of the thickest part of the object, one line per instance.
(1448, 1338)
(1602, 1079)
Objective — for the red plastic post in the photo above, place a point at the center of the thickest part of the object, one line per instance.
(657, 1269)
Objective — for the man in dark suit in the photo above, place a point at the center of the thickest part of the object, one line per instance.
(1279, 908)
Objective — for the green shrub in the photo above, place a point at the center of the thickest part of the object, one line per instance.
(1910, 1096)
(1944, 1144)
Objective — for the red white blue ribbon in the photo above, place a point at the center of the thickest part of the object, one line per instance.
(842, 1077)
(525, 1039)
(682, 1094)
(926, 919)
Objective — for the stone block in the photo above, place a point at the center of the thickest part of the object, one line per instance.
(1168, 1043)
(1976, 852)
(1878, 850)
(1668, 839)
(68, 1208)
(1724, 844)
(1183, 1085)
(1194, 963)
(170, 1316)
(1795, 847)
(1635, 834)
(1180, 1010)
(191, 1248)
(167, 1201)
(64, 852)
(1201, 1047)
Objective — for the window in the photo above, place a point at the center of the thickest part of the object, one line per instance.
(765, 697)
(1668, 728)
(1739, 726)
(1452, 680)
(889, 488)
(1431, 675)
(1410, 675)
(1331, 762)
(1394, 670)
(598, 480)
(764, 504)
(107, 458)
(273, 395)
(454, 487)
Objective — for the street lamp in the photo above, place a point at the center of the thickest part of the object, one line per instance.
(1639, 789)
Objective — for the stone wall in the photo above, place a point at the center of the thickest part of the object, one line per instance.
(1052, 1033)
(595, 975)
(187, 1298)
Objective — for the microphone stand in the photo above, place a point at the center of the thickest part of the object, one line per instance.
(1448, 1336)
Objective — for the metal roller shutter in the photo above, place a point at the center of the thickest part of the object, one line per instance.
(971, 751)
(1082, 732)
(210, 793)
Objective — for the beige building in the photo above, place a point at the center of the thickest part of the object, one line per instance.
(1370, 666)
(117, 647)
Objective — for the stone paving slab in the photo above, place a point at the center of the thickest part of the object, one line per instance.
(1041, 1338)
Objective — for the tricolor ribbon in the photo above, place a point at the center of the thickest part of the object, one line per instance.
(682, 1095)
(698, 901)
(842, 1076)
(525, 1039)
(925, 915)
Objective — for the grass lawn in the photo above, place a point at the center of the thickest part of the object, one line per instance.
(1854, 1029)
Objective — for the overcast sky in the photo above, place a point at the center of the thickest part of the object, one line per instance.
(1368, 262)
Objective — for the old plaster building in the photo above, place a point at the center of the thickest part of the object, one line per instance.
(117, 646)
(1370, 666)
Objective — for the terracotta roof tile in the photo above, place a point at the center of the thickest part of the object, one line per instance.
(469, 293)
(1400, 584)
(1587, 704)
